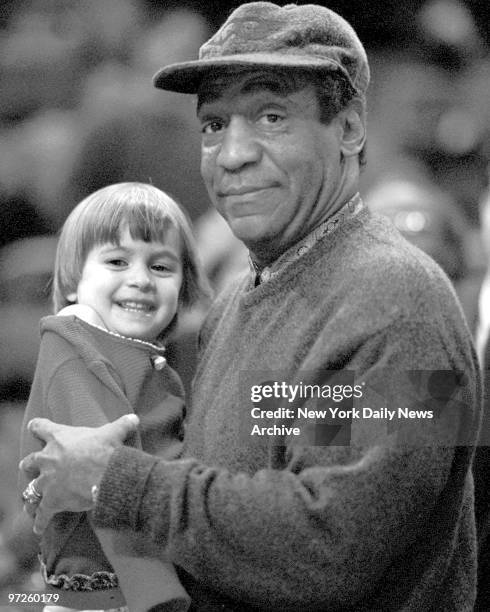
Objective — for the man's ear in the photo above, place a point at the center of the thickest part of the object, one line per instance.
(354, 126)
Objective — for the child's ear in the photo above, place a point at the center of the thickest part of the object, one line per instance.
(72, 298)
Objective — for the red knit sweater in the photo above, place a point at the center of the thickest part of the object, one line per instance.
(88, 376)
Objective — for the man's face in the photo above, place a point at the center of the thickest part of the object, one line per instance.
(272, 169)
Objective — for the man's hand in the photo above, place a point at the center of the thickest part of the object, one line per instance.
(71, 463)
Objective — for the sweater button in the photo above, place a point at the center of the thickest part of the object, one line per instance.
(158, 362)
(265, 275)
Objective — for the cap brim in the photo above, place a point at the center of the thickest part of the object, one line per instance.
(186, 77)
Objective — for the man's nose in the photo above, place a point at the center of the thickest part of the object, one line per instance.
(239, 145)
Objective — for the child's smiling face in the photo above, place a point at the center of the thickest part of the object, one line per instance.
(134, 286)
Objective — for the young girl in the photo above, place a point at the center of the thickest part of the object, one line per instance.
(126, 263)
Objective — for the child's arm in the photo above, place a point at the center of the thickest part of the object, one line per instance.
(67, 391)
(140, 575)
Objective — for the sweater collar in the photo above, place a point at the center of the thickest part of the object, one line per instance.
(348, 210)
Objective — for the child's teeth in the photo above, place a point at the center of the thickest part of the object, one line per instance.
(134, 306)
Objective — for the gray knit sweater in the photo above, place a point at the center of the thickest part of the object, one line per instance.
(379, 520)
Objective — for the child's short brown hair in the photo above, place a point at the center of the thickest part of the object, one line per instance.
(147, 212)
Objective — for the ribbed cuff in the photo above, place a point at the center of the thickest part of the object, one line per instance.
(121, 488)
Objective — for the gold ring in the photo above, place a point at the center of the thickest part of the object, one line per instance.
(31, 495)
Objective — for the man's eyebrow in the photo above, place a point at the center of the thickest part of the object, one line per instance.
(272, 84)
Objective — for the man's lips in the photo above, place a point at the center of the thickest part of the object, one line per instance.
(243, 190)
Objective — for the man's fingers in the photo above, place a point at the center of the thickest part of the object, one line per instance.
(30, 509)
(42, 518)
(58, 479)
(122, 427)
(31, 465)
(42, 429)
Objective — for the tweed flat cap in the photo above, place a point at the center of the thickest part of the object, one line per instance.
(265, 35)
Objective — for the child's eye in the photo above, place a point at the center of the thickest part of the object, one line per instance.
(115, 262)
(160, 267)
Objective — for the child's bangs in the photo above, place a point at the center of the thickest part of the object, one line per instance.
(148, 223)
(145, 221)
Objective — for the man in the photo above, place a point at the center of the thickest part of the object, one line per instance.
(283, 501)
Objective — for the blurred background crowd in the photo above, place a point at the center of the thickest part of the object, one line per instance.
(77, 112)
